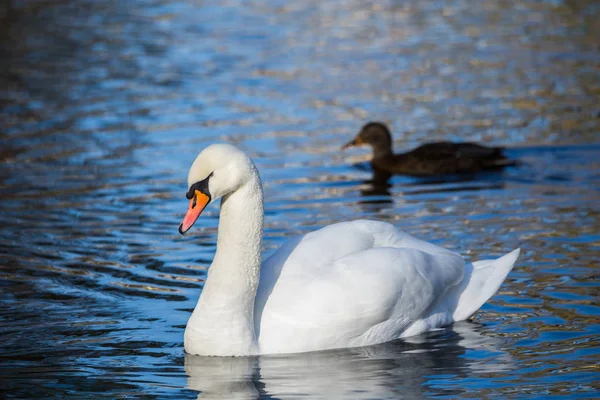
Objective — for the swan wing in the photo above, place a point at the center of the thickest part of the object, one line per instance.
(350, 284)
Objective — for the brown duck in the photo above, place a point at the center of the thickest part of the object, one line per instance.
(429, 159)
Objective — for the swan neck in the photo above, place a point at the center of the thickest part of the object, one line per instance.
(223, 321)
(240, 230)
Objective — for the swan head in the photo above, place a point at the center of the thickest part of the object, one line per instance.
(374, 134)
(219, 169)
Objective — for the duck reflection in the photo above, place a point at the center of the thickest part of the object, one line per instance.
(432, 167)
(377, 191)
(390, 370)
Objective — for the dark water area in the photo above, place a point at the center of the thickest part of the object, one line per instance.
(103, 107)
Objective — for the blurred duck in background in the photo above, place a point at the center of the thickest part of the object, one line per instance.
(429, 159)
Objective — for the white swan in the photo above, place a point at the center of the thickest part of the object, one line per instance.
(349, 284)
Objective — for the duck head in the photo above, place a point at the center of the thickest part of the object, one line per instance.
(375, 134)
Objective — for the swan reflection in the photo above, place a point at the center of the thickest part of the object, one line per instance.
(390, 370)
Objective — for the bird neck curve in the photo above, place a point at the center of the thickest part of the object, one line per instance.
(382, 150)
(223, 321)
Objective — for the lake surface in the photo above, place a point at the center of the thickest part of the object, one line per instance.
(104, 107)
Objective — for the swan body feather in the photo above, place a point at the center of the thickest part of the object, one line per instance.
(349, 284)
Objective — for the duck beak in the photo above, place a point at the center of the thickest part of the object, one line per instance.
(357, 141)
(197, 205)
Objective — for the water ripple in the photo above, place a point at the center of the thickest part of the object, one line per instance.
(104, 107)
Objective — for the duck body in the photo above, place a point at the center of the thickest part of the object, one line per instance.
(349, 284)
(436, 158)
(443, 158)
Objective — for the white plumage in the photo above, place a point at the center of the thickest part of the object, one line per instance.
(349, 284)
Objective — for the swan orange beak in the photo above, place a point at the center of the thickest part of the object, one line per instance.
(197, 205)
(357, 141)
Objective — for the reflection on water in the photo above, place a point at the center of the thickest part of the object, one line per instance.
(104, 107)
(408, 369)
(380, 183)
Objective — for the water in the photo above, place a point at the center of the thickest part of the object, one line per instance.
(104, 107)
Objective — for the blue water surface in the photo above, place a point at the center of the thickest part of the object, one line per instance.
(104, 105)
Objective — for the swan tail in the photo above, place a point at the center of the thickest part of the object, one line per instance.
(486, 277)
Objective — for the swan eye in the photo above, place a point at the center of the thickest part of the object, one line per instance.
(201, 186)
